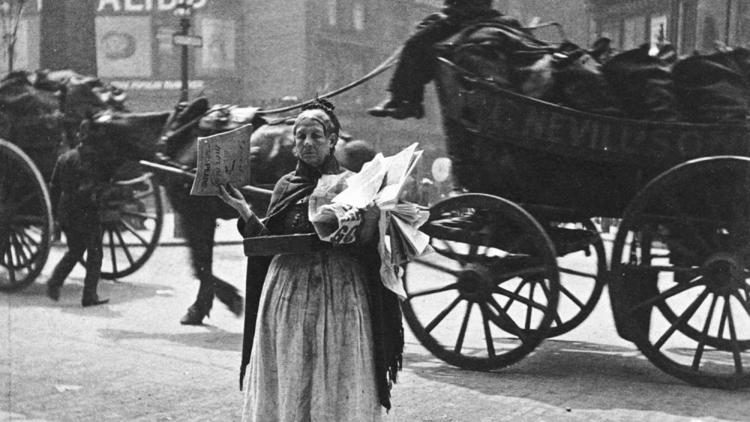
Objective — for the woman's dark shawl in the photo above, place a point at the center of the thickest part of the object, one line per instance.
(387, 329)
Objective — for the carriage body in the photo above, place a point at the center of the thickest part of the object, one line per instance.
(519, 259)
(41, 137)
(537, 153)
(31, 138)
(34, 131)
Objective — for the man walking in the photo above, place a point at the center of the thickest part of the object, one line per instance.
(75, 192)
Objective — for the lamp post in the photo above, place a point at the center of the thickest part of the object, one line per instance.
(184, 11)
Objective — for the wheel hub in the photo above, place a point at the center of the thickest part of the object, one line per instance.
(725, 272)
(474, 282)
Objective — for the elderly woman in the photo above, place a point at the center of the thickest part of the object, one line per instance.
(327, 341)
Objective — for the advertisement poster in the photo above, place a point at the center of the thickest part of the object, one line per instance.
(218, 51)
(123, 46)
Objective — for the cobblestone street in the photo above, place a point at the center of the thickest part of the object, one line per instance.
(132, 360)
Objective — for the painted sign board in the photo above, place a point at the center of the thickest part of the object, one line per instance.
(140, 6)
(187, 40)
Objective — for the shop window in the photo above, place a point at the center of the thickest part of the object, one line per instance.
(593, 30)
(435, 3)
(658, 29)
(358, 16)
(356, 70)
(332, 12)
(744, 22)
(611, 30)
(217, 55)
(634, 32)
(711, 24)
(328, 74)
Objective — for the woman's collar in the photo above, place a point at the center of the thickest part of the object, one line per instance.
(329, 166)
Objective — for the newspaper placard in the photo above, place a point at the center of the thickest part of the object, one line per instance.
(223, 158)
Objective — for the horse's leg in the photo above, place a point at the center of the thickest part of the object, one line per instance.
(199, 231)
(228, 295)
(225, 292)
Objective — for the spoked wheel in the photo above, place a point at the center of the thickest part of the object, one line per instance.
(581, 279)
(684, 249)
(131, 226)
(488, 294)
(25, 219)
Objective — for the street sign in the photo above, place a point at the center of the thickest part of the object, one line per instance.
(187, 40)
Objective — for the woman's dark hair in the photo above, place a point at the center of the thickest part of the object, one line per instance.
(327, 107)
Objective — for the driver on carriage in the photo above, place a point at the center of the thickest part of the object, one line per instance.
(417, 62)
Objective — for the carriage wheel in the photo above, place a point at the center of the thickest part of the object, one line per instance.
(581, 282)
(131, 229)
(487, 296)
(687, 234)
(25, 219)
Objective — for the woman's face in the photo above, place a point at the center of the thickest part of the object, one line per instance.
(311, 143)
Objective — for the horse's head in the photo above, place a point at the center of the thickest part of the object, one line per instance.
(271, 153)
(353, 154)
(116, 137)
(181, 130)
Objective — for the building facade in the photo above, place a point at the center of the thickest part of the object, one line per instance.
(260, 52)
(572, 15)
(309, 48)
(691, 25)
(129, 43)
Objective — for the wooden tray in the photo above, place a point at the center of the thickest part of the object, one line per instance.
(283, 244)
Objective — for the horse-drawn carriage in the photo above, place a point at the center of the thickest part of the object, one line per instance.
(678, 277)
(502, 280)
(36, 128)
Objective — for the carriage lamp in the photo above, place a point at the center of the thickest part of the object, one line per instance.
(184, 11)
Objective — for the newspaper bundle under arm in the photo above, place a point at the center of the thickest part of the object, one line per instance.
(335, 223)
(223, 158)
(363, 187)
(381, 181)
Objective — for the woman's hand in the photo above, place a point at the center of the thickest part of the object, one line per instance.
(369, 227)
(233, 197)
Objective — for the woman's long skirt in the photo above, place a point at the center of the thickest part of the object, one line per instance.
(312, 357)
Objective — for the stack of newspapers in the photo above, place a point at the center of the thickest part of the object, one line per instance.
(381, 182)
